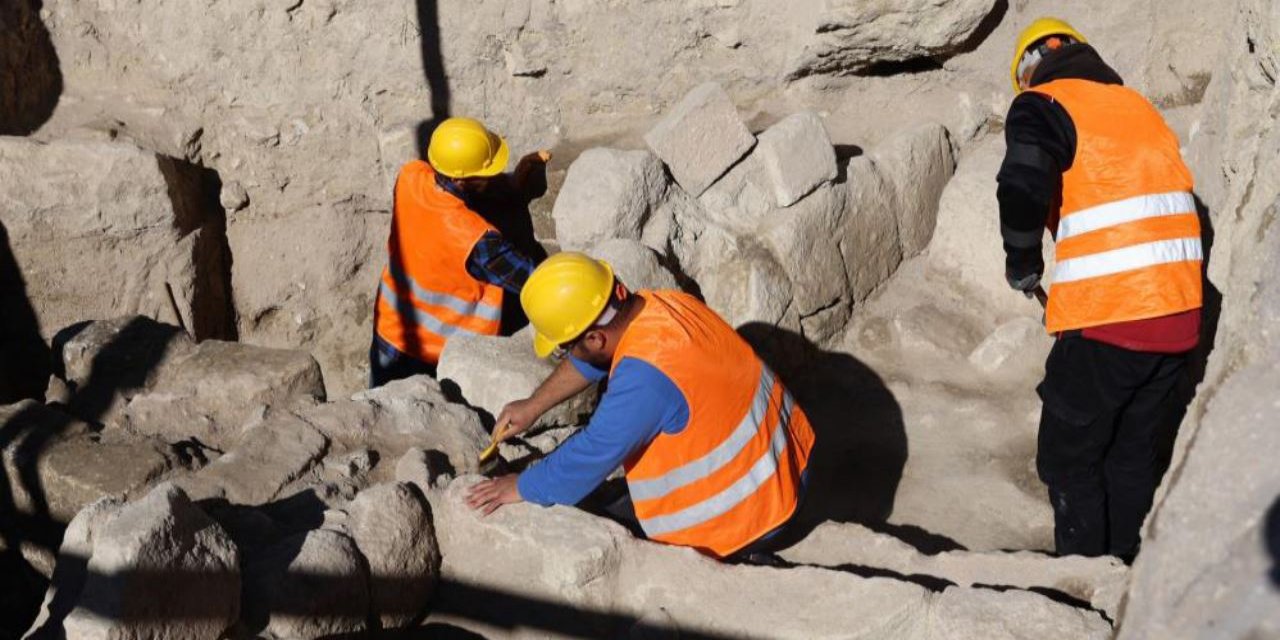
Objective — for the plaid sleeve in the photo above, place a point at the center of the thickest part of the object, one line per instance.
(497, 262)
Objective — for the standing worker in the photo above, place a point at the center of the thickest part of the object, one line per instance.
(713, 445)
(447, 266)
(1096, 164)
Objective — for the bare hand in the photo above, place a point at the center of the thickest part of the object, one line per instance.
(528, 163)
(518, 416)
(487, 496)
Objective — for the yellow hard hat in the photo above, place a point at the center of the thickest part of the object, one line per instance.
(563, 297)
(1036, 31)
(464, 148)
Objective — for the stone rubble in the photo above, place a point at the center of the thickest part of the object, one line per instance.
(225, 489)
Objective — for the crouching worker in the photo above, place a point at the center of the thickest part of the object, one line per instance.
(447, 266)
(714, 447)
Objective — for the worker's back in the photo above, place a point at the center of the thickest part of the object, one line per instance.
(733, 473)
(1128, 237)
(426, 294)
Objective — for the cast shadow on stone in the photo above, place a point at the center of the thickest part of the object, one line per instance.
(1198, 359)
(24, 356)
(861, 445)
(433, 72)
(119, 366)
(456, 600)
(30, 77)
(1271, 538)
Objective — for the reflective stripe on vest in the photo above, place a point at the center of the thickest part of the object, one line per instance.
(1127, 259)
(425, 293)
(478, 309)
(764, 469)
(654, 488)
(1128, 236)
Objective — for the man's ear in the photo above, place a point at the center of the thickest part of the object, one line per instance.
(596, 339)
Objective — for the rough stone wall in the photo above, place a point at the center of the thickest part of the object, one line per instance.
(1212, 545)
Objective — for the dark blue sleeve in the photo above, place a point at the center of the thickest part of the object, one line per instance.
(498, 262)
(640, 403)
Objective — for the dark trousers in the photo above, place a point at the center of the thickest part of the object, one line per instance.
(386, 363)
(612, 500)
(1105, 411)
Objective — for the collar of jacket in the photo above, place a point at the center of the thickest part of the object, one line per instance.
(1077, 62)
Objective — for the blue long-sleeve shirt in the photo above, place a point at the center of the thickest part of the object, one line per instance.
(641, 403)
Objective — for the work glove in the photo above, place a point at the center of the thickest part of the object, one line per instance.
(1026, 283)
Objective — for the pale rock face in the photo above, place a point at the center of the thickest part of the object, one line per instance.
(1020, 341)
(262, 462)
(798, 156)
(69, 575)
(607, 194)
(871, 247)
(852, 36)
(984, 613)
(211, 393)
(919, 163)
(105, 229)
(1098, 581)
(391, 525)
(412, 412)
(966, 242)
(491, 371)
(635, 264)
(73, 466)
(160, 568)
(700, 137)
(577, 560)
(309, 585)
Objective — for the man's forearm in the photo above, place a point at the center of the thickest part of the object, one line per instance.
(563, 383)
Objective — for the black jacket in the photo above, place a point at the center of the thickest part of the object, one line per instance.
(1040, 142)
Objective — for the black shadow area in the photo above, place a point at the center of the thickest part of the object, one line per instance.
(861, 445)
(30, 77)
(433, 72)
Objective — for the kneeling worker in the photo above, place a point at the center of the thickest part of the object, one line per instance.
(713, 445)
(447, 266)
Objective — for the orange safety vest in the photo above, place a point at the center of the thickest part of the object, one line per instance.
(426, 294)
(1128, 237)
(733, 473)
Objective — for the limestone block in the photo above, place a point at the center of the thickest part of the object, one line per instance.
(966, 240)
(107, 362)
(160, 568)
(806, 244)
(416, 467)
(869, 241)
(798, 156)
(852, 36)
(572, 559)
(607, 193)
(983, 613)
(402, 414)
(391, 525)
(1020, 341)
(1099, 581)
(635, 264)
(73, 467)
(700, 137)
(105, 229)
(213, 391)
(266, 458)
(69, 575)
(919, 163)
(747, 286)
(742, 199)
(491, 371)
(310, 585)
